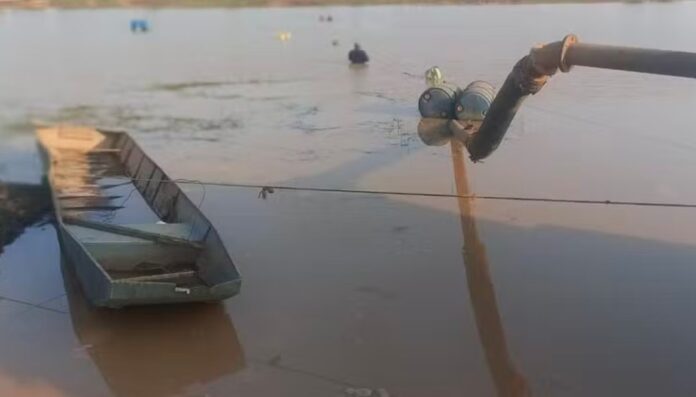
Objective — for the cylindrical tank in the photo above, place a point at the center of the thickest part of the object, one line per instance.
(474, 101)
(438, 101)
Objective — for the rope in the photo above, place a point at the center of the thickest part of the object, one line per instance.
(269, 189)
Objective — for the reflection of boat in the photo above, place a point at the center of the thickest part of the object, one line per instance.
(509, 382)
(155, 351)
(20, 206)
(93, 176)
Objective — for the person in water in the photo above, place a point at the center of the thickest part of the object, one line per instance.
(357, 55)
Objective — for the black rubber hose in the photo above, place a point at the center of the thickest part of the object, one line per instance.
(520, 83)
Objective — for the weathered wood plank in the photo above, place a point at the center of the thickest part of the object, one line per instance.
(161, 277)
(85, 196)
(91, 208)
(127, 231)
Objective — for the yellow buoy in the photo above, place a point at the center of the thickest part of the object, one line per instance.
(284, 36)
(433, 77)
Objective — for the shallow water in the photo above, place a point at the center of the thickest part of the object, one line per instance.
(349, 292)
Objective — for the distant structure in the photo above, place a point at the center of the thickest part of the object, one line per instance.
(329, 19)
(358, 56)
(139, 25)
(334, 42)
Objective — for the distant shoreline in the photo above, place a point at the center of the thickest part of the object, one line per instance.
(69, 4)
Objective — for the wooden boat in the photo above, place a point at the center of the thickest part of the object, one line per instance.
(131, 234)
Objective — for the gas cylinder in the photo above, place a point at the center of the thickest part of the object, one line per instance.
(474, 101)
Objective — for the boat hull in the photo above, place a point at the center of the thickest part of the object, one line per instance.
(175, 257)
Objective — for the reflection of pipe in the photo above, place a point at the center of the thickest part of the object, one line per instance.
(531, 73)
(508, 381)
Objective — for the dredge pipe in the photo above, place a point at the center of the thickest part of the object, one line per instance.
(531, 73)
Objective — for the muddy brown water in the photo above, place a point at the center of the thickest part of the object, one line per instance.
(367, 294)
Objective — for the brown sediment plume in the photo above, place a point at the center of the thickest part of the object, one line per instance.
(509, 382)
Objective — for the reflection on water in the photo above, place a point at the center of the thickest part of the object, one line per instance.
(434, 132)
(21, 205)
(508, 381)
(15, 388)
(155, 351)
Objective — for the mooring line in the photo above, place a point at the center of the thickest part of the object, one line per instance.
(266, 189)
(31, 305)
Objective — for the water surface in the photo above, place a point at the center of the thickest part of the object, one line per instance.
(403, 296)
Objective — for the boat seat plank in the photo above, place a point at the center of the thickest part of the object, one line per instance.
(77, 196)
(92, 236)
(162, 277)
(92, 208)
(119, 252)
(128, 257)
(172, 234)
(177, 230)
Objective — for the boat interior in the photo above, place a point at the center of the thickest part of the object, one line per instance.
(131, 218)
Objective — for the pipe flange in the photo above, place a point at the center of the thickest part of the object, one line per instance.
(567, 42)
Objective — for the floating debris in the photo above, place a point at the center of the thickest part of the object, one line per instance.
(139, 26)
